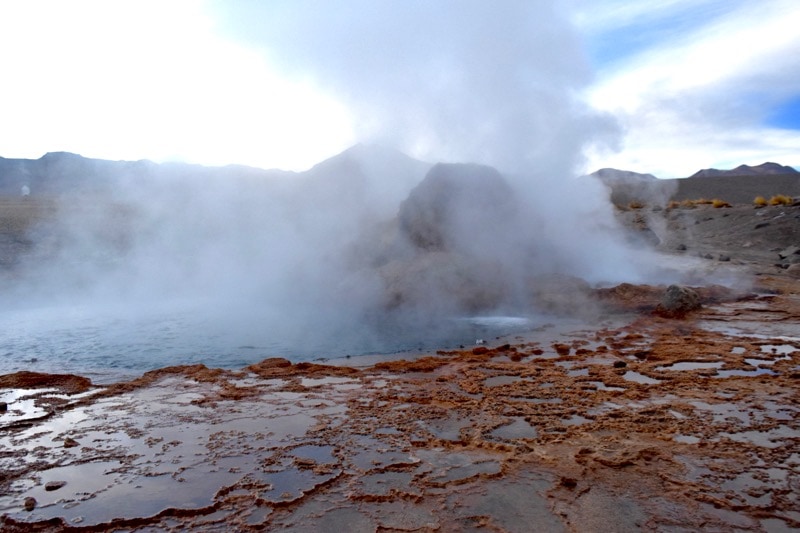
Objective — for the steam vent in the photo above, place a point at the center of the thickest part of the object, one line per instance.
(450, 366)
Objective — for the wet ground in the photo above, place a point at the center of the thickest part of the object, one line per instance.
(640, 423)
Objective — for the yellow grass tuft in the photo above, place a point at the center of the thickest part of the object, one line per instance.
(635, 204)
(688, 203)
(760, 201)
(673, 204)
(781, 199)
(716, 202)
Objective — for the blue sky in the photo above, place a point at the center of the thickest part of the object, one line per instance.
(660, 86)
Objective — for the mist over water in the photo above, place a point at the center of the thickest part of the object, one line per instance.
(184, 266)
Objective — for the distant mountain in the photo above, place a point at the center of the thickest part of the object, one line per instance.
(380, 174)
(613, 175)
(763, 169)
(57, 173)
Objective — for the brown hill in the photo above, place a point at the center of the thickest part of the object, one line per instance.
(746, 170)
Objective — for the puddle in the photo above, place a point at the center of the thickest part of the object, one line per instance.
(745, 373)
(291, 484)
(316, 453)
(778, 349)
(767, 439)
(599, 385)
(383, 484)
(496, 381)
(765, 362)
(518, 429)
(318, 382)
(723, 412)
(578, 373)
(636, 377)
(575, 420)
(448, 429)
(691, 365)
(451, 466)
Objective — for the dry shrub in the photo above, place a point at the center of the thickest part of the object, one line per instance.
(688, 203)
(760, 201)
(781, 199)
(635, 204)
(703, 201)
(674, 204)
(716, 202)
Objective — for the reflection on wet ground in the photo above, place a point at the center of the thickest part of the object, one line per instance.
(653, 424)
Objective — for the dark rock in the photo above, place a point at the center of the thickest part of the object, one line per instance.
(455, 205)
(69, 442)
(620, 364)
(681, 247)
(30, 504)
(569, 482)
(788, 252)
(678, 301)
(725, 258)
(562, 349)
(54, 485)
(3, 407)
(761, 225)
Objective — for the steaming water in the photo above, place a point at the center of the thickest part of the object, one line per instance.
(107, 344)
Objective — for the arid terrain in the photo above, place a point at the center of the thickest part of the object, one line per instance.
(654, 417)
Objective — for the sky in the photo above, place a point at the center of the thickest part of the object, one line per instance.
(660, 86)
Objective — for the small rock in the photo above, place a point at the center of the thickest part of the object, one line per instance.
(681, 247)
(69, 442)
(787, 252)
(569, 482)
(3, 407)
(54, 485)
(620, 364)
(761, 225)
(30, 504)
(724, 258)
(794, 270)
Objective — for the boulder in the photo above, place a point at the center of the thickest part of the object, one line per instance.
(457, 207)
(678, 301)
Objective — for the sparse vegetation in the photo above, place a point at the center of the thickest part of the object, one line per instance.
(703, 201)
(689, 203)
(760, 201)
(674, 204)
(717, 203)
(781, 199)
(635, 204)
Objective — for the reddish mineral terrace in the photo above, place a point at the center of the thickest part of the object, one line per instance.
(639, 423)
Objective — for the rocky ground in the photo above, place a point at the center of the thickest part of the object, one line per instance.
(759, 240)
(660, 417)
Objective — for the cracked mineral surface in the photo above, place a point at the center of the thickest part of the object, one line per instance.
(637, 423)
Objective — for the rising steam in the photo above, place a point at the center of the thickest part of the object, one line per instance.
(332, 248)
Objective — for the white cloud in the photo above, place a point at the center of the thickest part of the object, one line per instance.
(127, 80)
(701, 100)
